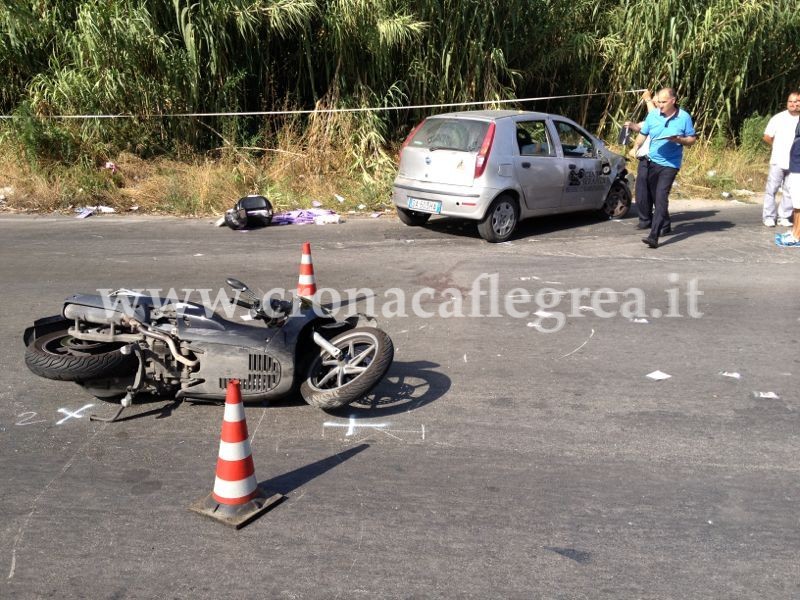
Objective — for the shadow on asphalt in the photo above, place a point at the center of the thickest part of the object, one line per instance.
(288, 482)
(406, 387)
(162, 412)
(564, 222)
(686, 225)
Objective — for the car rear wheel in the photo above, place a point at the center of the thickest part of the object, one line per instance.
(618, 201)
(500, 220)
(412, 217)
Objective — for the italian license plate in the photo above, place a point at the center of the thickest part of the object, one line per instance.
(429, 206)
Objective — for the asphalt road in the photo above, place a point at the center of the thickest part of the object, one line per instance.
(496, 461)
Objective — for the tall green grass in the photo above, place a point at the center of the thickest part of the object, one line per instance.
(728, 59)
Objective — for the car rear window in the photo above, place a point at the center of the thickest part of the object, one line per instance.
(465, 135)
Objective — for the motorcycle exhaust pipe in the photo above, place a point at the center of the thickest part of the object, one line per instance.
(90, 314)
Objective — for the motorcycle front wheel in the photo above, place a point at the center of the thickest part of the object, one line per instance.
(57, 355)
(331, 383)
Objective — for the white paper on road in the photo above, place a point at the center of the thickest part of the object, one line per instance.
(731, 374)
(658, 375)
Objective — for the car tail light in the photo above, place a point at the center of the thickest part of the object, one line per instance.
(483, 153)
(410, 136)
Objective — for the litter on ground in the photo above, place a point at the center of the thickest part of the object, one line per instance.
(658, 376)
(731, 374)
(319, 216)
(88, 211)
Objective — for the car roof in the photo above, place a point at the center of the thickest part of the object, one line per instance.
(493, 114)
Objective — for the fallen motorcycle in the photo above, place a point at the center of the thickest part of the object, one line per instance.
(126, 343)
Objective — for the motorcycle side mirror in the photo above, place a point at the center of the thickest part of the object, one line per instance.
(238, 286)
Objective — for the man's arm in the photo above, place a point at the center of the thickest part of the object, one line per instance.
(685, 140)
(768, 139)
(651, 106)
(648, 100)
(639, 141)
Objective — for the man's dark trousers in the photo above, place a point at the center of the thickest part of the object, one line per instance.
(659, 184)
(644, 200)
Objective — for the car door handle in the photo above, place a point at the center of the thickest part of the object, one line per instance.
(571, 166)
(526, 165)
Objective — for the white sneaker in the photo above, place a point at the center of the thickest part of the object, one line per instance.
(784, 222)
(769, 222)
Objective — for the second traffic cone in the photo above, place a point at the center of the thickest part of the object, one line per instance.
(306, 284)
(237, 498)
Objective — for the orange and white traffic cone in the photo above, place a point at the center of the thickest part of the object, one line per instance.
(237, 498)
(306, 284)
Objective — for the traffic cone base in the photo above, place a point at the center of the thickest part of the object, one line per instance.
(236, 498)
(239, 515)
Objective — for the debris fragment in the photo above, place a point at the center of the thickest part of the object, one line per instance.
(640, 320)
(658, 376)
(320, 216)
(766, 396)
(731, 374)
(88, 211)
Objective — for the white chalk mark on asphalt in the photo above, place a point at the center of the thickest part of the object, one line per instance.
(253, 435)
(591, 335)
(26, 419)
(73, 414)
(27, 520)
(351, 426)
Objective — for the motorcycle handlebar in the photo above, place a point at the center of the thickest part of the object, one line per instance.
(243, 303)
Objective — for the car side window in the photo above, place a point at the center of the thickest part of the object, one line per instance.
(533, 139)
(573, 141)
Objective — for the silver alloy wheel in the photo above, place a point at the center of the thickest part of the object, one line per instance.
(356, 358)
(503, 219)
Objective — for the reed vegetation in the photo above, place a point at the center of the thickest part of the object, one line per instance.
(146, 62)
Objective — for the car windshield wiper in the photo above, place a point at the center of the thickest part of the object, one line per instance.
(434, 148)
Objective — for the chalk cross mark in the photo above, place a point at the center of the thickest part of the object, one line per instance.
(72, 414)
(351, 426)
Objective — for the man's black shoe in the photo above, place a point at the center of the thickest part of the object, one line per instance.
(643, 225)
(650, 242)
(666, 230)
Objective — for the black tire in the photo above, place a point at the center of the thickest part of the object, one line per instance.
(412, 217)
(58, 355)
(618, 201)
(500, 221)
(368, 355)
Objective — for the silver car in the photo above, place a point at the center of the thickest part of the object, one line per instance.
(498, 167)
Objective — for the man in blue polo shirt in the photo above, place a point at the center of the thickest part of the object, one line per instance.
(670, 129)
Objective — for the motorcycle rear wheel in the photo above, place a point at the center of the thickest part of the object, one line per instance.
(331, 383)
(58, 355)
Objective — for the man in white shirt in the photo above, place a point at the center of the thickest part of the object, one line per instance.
(780, 134)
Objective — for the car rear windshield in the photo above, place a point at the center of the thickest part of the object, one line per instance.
(465, 135)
